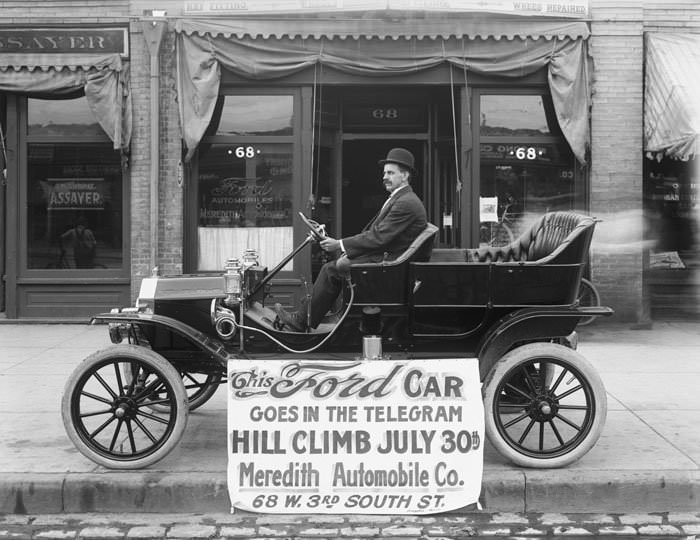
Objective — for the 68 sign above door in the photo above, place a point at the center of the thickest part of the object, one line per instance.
(385, 117)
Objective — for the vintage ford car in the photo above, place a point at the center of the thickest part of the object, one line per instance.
(513, 307)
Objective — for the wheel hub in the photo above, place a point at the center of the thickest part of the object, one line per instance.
(543, 408)
(125, 409)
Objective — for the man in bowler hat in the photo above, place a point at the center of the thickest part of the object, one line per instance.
(400, 220)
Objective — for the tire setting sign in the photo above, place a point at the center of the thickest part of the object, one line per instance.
(369, 436)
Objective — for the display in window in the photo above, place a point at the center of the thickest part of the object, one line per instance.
(245, 186)
(245, 201)
(74, 200)
(522, 181)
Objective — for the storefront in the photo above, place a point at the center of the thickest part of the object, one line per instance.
(672, 145)
(258, 115)
(288, 113)
(66, 123)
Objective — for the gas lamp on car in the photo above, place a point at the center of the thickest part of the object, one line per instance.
(250, 258)
(232, 281)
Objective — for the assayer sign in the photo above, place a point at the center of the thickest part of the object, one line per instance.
(369, 436)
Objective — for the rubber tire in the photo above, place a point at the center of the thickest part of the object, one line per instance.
(155, 362)
(527, 353)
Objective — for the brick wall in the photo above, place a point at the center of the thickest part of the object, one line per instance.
(171, 184)
(616, 156)
(62, 11)
(140, 158)
(672, 16)
(617, 47)
(170, 201)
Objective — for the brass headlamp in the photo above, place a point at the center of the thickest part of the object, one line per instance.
(232, 281)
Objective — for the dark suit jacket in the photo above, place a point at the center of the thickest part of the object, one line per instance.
(391, 231)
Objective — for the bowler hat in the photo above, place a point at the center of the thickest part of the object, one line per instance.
(400, 156)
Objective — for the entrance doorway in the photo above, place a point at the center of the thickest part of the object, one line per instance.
(363, 192)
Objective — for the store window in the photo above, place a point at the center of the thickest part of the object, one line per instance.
(671, 206)
(526, 166)
(245, 172)
(74, 189)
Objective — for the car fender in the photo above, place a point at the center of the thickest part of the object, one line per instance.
(530, 325)
(205, 343)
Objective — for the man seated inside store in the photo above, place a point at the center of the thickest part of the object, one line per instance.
(399, 221)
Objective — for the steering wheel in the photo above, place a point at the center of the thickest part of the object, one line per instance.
(318, 231)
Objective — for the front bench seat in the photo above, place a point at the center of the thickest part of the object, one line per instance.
(562, 237)
(419, 250)
(386, 282)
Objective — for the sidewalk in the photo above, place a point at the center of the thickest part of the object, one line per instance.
(647, 460)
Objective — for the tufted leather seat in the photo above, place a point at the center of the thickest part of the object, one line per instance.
(556, 237)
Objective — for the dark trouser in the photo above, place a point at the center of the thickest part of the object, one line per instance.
(326, 289)
(329, 284)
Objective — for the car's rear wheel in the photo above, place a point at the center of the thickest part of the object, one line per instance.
(588, 296)
(545, 405)
(200, 387)
(112, 420)
(495, 234)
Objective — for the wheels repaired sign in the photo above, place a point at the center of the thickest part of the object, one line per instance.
(365, 436)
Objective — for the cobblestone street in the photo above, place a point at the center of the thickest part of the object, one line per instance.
(450, 526)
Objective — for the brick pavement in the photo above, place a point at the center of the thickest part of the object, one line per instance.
(448, 526)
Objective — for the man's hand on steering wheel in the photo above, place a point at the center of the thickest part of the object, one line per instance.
(330, 244)
(318, 231)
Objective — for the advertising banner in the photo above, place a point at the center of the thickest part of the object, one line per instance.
(75, 194)
(365, 436)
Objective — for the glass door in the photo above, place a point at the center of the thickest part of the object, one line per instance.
(363, 191)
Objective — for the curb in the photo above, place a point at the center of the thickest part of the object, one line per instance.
(502, 491)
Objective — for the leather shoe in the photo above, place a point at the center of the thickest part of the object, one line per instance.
(296, 321)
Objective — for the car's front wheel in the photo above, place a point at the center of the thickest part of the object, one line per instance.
(111, 418)
(545, 405)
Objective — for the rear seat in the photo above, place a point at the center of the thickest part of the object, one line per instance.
(561, 237)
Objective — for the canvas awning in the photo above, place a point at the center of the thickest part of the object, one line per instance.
(385, 28)
(103, 77)
(269, 49)
(672, 96)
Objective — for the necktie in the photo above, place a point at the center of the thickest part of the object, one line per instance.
(385, 203)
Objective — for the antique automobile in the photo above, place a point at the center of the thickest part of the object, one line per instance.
(513, 307)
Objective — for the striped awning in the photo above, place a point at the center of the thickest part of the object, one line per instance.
(398, 27)
(269, 49)
(672, 96)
